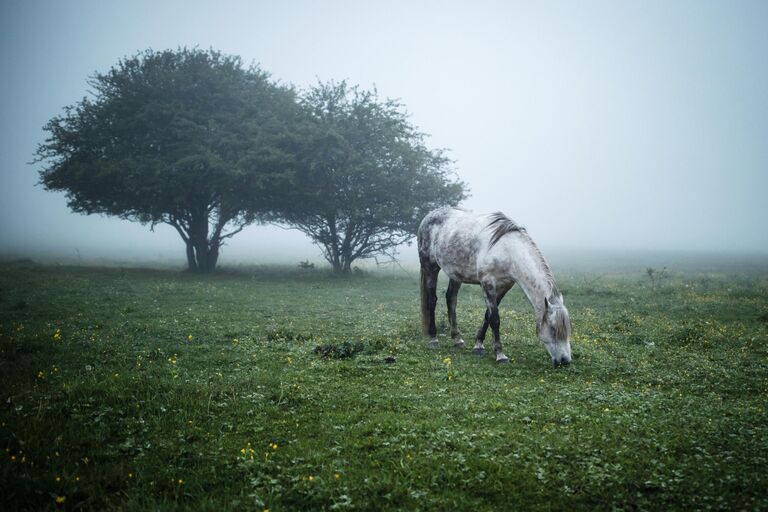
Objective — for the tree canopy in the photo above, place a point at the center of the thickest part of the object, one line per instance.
(196, 140)
(190, 138)
(364, 178)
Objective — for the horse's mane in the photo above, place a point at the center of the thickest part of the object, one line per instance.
(561, 324)
(501, 225)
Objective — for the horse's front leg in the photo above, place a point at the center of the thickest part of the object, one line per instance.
(451, 295)
(479, 347)
(492, 300)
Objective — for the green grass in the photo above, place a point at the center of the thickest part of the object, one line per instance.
(268, 388)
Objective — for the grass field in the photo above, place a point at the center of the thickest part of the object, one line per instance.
(268, 388)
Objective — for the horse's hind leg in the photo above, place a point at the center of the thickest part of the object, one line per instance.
(451, 295)
(431, 285)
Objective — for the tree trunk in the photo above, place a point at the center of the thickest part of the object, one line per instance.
(213, 256)
(191, 261)
(202, 254)
(206, 253)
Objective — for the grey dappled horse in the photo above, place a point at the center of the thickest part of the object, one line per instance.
(494, 252)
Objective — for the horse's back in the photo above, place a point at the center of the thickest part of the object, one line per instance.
(452, 239)
(437, 226)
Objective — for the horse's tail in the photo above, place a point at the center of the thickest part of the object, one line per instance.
(424, 301)
(429, 267)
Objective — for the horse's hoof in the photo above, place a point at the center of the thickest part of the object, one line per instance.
(478, 351)
(433, 343)
(459, 344)
(502, 360)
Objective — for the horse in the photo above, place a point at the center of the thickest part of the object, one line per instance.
(494, 252)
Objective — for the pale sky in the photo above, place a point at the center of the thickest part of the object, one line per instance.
(597, 125)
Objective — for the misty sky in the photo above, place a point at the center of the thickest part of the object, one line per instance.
(629, 125)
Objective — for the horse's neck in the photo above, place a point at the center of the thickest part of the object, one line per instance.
(534, 277)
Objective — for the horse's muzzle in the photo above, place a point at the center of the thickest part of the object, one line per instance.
(561, 362)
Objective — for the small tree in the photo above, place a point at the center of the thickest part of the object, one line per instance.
(189, 138)
(364, 178)
(657, 277)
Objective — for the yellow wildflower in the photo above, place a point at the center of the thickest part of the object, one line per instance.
(57, 335)
(189, 337)
(60, 499)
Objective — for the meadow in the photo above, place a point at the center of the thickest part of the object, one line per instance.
(277, 388)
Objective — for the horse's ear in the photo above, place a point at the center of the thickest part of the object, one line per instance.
(555, 300)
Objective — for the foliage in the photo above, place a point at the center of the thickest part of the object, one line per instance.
(188, 138)
(342, 350)
(145, 390)
(657, 277)
(306, 265)
(365, 178)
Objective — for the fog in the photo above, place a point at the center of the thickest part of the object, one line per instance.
(600, 126)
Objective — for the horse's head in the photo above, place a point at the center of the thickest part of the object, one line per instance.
(554, 330)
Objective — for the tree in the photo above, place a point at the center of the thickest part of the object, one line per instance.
(363, 178)
(188, 138)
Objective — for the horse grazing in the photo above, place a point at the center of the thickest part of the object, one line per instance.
(494, 252)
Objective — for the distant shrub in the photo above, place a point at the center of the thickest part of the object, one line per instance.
(657, 277)
(349, 349)
(283, 334)
(343, 350)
